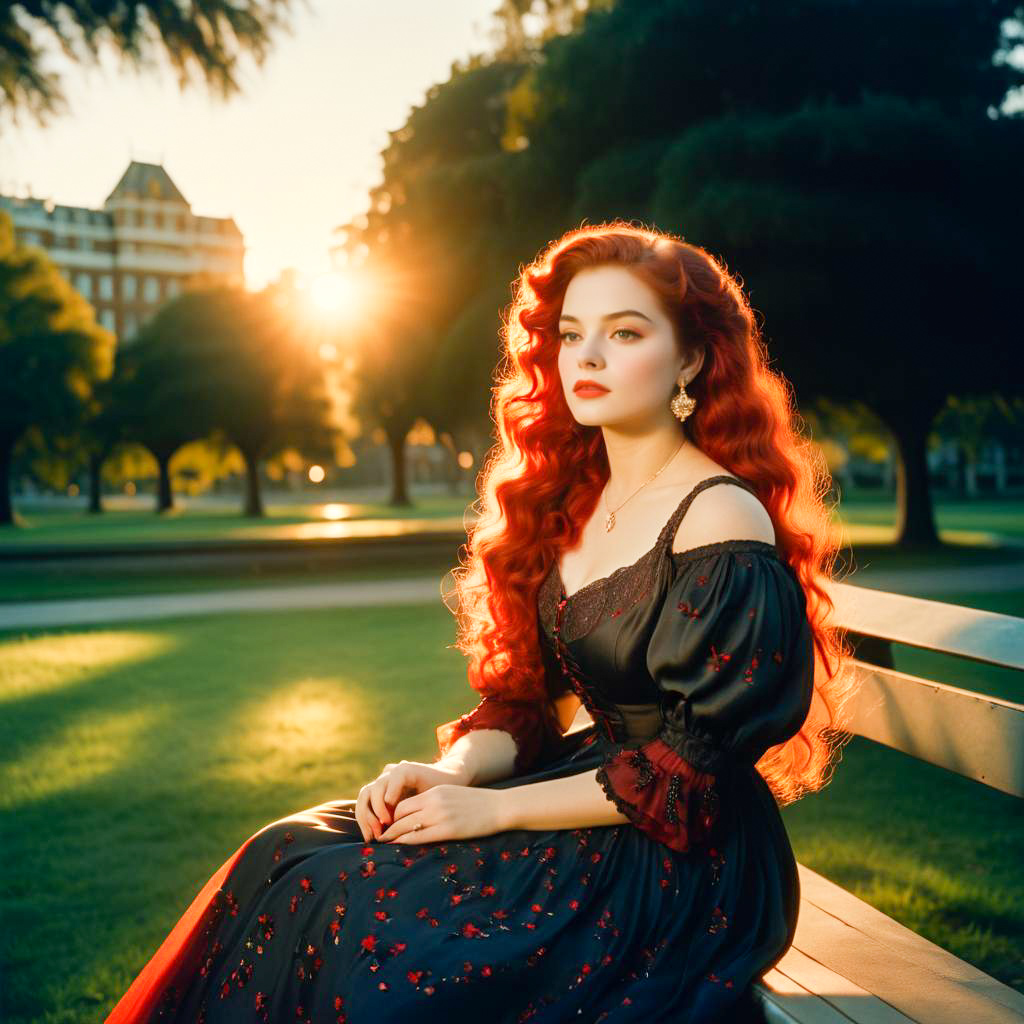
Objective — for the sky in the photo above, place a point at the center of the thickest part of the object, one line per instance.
(291, 157)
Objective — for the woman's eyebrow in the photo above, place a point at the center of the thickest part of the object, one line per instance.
(612, 316)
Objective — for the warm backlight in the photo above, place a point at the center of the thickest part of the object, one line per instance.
(331, 293)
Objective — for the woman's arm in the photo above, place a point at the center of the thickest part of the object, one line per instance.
(488, 755)
(483, 755)
(576, 801)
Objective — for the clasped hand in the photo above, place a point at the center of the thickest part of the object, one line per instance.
(437, 798)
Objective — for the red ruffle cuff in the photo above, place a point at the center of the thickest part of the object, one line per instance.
(661, 793)
(526, 721)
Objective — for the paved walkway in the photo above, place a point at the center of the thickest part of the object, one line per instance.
(44, 614)
(88, 611)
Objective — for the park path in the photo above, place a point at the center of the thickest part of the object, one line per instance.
(423, 590)
(87, 611)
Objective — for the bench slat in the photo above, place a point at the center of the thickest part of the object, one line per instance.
(785, 1001)
(925, 982)
(932, 625)
(972, 734)
(850, 1001)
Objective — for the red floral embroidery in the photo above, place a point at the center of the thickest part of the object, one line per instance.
(719, 658)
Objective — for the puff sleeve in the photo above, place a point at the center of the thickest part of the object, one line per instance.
(732, 653)
(529, 723)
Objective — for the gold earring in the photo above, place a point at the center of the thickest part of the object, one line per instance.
(682, 405)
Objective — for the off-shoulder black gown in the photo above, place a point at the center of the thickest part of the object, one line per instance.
(692, 665)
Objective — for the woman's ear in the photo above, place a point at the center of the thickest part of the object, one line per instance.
(691, 364)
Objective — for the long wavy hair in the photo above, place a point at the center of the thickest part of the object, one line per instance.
(542, 479)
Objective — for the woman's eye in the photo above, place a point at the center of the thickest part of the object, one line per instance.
(564, 336)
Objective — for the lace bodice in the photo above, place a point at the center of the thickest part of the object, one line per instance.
(611, 595)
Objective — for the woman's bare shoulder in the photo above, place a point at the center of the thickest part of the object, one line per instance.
(723, 512)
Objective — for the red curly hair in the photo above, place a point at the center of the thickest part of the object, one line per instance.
(541, 481)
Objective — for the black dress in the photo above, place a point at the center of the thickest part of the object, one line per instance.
(692, 665)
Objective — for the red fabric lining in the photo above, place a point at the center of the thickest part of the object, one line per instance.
(178, 957)
(638, 780)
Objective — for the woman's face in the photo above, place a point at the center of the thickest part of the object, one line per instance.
(613, 331)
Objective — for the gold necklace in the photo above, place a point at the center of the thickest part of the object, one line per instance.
(609, 522)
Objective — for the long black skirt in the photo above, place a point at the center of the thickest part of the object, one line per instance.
(310, 923)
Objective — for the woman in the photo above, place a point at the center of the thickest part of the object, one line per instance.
(650, 550)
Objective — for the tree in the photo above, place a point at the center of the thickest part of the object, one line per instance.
(265, 381)
(163, 402)
(102, 431)
(862, 189)
(203, 38)
(221, 358)
(52, 352)
(427, 251)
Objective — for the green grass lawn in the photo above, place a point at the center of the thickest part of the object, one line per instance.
(286, 519)
(49, 581)
(136, 758)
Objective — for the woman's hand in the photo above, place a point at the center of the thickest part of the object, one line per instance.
(448, 812)
(376, 799)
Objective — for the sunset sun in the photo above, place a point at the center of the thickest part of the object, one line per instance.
(331, 292)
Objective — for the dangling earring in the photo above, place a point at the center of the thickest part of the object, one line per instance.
(682, 405)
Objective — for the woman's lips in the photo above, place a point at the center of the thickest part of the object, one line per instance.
(590, 392)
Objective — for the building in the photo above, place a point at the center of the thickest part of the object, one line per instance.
(143, 247)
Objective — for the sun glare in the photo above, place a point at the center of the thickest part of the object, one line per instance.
(331, 292)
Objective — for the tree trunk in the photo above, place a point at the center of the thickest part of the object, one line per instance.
(164, 494)
(915, 514)
(6, 508)
(95, 484)
(253, 496)
(396, 448)
(452, 472)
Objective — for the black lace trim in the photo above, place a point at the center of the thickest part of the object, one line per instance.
(627, 585)
(710, 800)
(762, 547)
(622, 805)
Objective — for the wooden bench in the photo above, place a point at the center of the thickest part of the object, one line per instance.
(850, 962)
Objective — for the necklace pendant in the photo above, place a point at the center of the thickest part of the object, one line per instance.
(609, 522)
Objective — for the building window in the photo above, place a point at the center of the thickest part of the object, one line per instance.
(173, 286)
(128, 287)
(152, 293)
(108, 319)
(129, 324)
(106, 286)
(83, 282)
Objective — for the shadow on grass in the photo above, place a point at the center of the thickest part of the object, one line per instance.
(154, 770)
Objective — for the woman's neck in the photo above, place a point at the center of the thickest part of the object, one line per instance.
(633, 459)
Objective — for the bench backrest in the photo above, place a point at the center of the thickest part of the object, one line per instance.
(976, 735)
